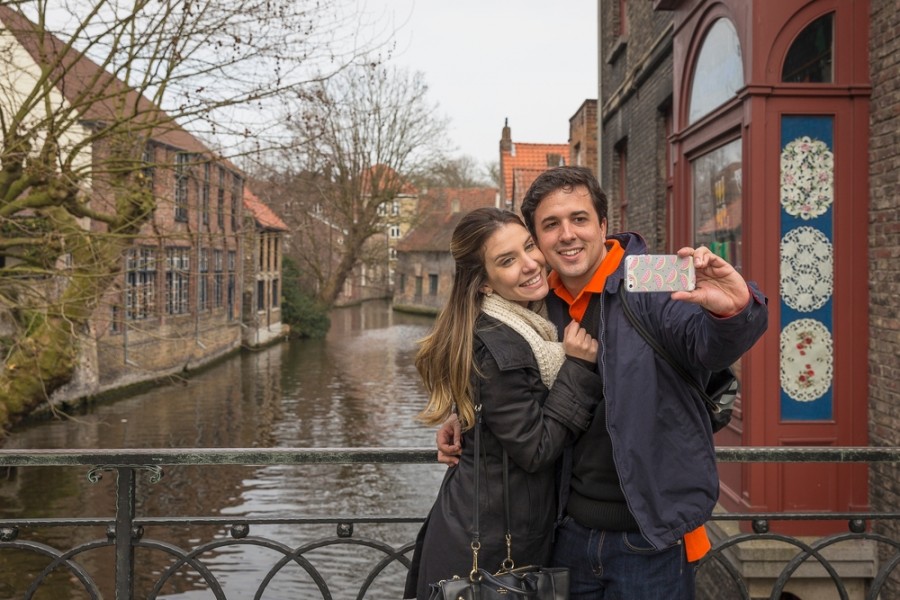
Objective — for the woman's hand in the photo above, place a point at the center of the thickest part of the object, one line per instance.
(578, 343)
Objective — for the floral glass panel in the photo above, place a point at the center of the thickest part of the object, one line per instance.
(719, 73)
(717, 201)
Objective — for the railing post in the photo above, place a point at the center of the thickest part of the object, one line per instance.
(125, 491)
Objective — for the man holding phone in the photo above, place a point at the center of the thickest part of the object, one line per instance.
(638, 486)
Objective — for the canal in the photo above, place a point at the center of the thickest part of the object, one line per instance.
(358, 387)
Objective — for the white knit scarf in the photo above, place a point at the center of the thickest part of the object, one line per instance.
(537, 331)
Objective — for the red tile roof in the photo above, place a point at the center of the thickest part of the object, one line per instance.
(530, 156)
(265, 216)
(440, 210)
(93, 91)
(522, 180)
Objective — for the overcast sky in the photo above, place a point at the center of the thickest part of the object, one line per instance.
(532, 61)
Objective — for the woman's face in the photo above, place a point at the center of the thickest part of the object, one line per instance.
(514, 265)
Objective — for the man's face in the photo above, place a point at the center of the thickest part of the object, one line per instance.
(570, 235)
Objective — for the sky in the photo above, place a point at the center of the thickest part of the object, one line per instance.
(531, 61)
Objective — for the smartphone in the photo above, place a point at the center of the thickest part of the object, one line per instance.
(659, 273)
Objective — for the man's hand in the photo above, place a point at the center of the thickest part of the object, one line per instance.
(720, 288)
(449, 442)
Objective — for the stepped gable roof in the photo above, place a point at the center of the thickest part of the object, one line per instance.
(265, 217)
(530, 156)
(440, 210)
(92, 90)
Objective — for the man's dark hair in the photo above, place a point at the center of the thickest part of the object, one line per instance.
(566, 178)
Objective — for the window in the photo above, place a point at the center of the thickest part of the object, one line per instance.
(148, 172)
(809, 59)
(719, 72)
(402, 287)
(622, 182)
(220, 200)
(231, 290)
(418, 287)
(181, 186)
(392, 254)
(218, 280)
(622, 21)
(275, 293)
(717, 201)
(260, 295)
(237, 192)
(262, 253)
(178, 276)
(203, 278)
(432, 284)
(395, 232)
(395, 208)
(204, 194)
(140, 284)
(115, 319)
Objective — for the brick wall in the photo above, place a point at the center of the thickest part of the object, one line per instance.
(884, 250)
(635, 119)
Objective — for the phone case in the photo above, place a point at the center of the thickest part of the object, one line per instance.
(659, 273)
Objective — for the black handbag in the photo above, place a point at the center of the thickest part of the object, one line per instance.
(721, 389)
(509, 583)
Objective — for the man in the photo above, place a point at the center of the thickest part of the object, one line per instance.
(638, 486)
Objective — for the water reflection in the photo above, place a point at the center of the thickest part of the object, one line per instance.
(358, 387)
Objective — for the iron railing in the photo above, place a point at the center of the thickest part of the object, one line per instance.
(125, 531)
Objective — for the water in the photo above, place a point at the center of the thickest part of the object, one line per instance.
(356, 388)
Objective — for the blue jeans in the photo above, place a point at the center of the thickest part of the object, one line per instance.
(617, 565)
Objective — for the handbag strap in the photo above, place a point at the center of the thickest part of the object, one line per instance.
(662, 351)
(476, 535)
(507, 564)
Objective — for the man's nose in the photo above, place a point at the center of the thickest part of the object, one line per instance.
(566, 231)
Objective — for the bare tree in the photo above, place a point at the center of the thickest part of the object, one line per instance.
(84, 86)
(360, 143)
(460, 172)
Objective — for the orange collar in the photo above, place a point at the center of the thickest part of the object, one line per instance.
(578, 304)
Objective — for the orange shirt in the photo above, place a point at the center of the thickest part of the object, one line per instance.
(696, 542)
(578, 304)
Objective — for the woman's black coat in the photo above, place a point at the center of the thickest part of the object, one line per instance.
(533, 424)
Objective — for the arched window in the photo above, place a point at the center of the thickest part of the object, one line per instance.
(719, 73)
(809, 59)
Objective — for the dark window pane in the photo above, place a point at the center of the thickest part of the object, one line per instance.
(809, 59)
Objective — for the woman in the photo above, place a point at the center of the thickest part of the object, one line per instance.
(536, 394)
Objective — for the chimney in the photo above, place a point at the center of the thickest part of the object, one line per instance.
(506, 137)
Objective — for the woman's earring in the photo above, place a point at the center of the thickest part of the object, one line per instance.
(488, 292)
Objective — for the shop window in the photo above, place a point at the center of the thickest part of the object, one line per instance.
(717, 201)
(719, 72)
(809, 59)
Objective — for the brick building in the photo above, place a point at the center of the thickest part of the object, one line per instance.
(767, 131)
(173, 305)
(521, 162)
(261, 298)
(424, 268)
(583, 136)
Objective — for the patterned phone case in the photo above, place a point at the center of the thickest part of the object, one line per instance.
(659, 273)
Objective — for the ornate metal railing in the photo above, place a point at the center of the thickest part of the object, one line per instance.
(125, 531)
